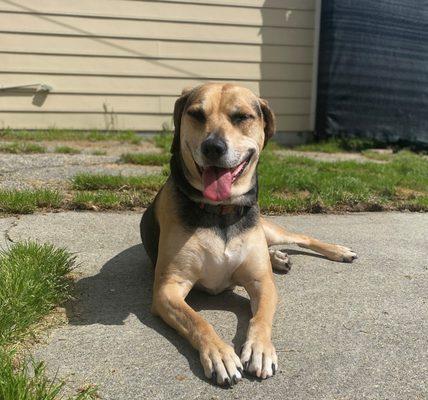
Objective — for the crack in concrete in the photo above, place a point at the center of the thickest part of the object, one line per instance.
(6, 233)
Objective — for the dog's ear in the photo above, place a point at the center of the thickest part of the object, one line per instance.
(268, 120)
(180, 103)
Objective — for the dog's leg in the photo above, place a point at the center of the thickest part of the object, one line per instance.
(219, 360)
(258, 354)
(275, 235)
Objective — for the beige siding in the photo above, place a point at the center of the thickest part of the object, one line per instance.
(119, 64)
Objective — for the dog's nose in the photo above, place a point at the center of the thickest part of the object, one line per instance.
(213, 148)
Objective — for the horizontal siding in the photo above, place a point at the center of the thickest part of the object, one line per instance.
(107, 66)
(139, 86)
(124, 104)
(89, 46)
(133, 57)
(64, 25)
(145, 122)
(268, 4)
(159, 11)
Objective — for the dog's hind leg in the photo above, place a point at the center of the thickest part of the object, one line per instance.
(279, 260)
(276, 235)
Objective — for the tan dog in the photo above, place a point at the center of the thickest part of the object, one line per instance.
(204, 227)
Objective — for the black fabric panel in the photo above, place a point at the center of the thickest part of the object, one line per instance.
(373, 70)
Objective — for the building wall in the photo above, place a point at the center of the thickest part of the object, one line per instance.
(120, 64)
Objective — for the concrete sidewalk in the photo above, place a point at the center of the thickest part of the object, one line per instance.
(342, 331)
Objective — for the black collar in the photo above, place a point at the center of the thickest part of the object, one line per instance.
(222, 209)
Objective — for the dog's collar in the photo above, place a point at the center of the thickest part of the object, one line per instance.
(222, 209)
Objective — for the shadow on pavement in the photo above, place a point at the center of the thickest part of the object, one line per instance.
(124, 287)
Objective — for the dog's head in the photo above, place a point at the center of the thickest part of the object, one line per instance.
(220, 130)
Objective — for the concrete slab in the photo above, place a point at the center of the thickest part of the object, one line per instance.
(341, 331)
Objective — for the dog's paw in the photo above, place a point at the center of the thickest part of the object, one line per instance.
(341, 254)
(279, 260)
(221, 364)
(259, 358)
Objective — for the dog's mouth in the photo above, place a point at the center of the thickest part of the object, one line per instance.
(218, 181)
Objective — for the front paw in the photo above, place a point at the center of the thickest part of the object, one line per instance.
(221, 364)
(259, 358)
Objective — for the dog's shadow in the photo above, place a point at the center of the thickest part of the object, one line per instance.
(124, 287)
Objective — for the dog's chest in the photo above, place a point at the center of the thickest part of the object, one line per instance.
(219, 262)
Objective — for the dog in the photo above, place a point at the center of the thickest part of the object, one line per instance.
(204, 228)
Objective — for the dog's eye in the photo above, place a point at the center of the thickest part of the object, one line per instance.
(197, 114)
(238, 118)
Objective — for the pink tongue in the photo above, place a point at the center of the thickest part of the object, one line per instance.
(217, 183)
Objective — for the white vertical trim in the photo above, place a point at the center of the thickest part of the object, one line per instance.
(317, 28)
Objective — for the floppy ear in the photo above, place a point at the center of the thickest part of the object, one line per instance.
(268, 119)
(180, 103)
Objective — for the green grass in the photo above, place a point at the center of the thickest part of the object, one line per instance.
(337, 145)
(164, 141)
(298, 184)
(66, 150)
(117, 182)
(18, 383)
(67, 135)
(98, 152)
(108, 200)
(287, 184)
(34, 279)
(27, 201)
(146, 158)
(21, 148)
(374, 155)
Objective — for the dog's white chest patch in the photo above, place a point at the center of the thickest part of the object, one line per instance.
(220, 262)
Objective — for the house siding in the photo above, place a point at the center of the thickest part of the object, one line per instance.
(120, 64)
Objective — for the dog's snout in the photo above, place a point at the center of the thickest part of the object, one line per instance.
(213, 148)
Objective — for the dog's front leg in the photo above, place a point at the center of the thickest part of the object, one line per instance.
(258, 354)
(219, 360)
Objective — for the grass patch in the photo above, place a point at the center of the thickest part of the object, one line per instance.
(337, 145)
(378, 156)
(299, 184)
(117, 182)
(21, 148)
(164, 141)
(34, 279)
(146, 158)
(287, 184)
(68, 135)
(66, 150)
(98, 152)
(27, 201)
(18, 383)
(107, 200)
